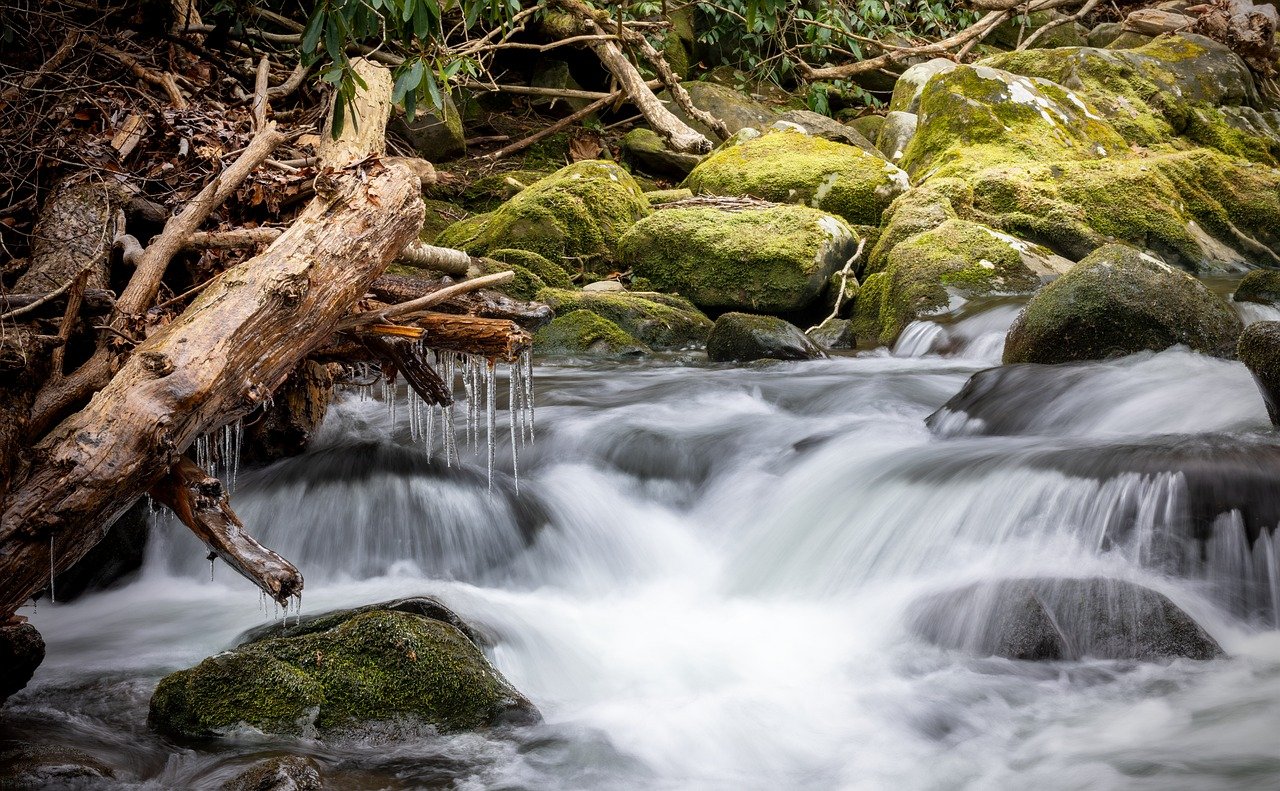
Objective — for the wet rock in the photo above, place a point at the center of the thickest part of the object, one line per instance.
(21, 652)
(833, 334)
(649, 152)
(773, 258)
(1048, 619)
(581, 332)
(896, 134)
(51, 767)
(791, 167)
(1259, 349)
(1118, 301)
(656, 320)
(286, 773)
(577, 213)
(339, 672)
(828, 128)
(742, 337)
(1261, 286)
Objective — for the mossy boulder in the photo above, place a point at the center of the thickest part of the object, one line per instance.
(577, 213)
(440, 215)
(867, 125)
(920, 209)
(659, 197)
(734, 108)
(656, 320)
(742, 337)
(896, 133)
(833, 334)
(791, 167)
(974, 116)
(1259, 350)
(488, 192)
(1019, 27)
(770, 258)
(41, 767)
(583, 333)
(929, 271)
(1199, 209)
(1117, 301)
(910, 86)
(550, 273)
(436, 134)
(283, 773)
(647, 151)
(1261, 286)
(375, 665)
(828, 128)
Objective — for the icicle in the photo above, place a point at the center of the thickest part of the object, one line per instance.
(52, 599)
(491, 412)
(211, 559)
(528, 391)
(512, 410)
(467, 387)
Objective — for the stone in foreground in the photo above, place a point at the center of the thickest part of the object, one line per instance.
(742, 337)
(377, 664)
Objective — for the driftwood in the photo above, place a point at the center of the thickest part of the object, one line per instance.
(1156, 21)
(493, 338)
(1248, 28)
(401, 356)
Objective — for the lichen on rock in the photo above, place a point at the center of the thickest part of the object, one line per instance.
(659, 321)
(581, 332)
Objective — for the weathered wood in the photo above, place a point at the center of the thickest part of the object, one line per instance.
(484, 303)
(1155, 21)
(493, 338)
(1248, 28)
(95, 301)
(200, 501)
(364, 126)
(75, 231)
(294, 416)
(420, 304)
(221, 358)
(401, 356)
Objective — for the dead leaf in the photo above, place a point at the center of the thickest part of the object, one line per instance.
(584, 147)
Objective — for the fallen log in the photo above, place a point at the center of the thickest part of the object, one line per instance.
(200, 501)
(401, 356)
(94, 302)
(1248, 28)
(492, 338)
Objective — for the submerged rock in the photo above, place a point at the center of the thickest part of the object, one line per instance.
(1047, 619)
(341, 672)
(581, 332)
(793, 167)
(656, 320)
(286, 773)
(49, 767)
(21, 652)
(1259, 349)
(758, 257)
(1118, 301)
(742, 337)
(576, 213)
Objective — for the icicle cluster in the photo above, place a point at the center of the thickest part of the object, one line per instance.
(440, 426)
(218, 453)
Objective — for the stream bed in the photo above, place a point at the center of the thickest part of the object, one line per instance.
(706, 578)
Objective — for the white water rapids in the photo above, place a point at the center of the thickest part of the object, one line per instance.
(704, 579)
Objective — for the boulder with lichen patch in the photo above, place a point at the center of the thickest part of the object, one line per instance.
(757, 257)
(577, 213)
(376, 665)
(581, 333)
(659, 321)
(932, 271)
(743, 337)
(649, 152)
(1117, 301)
(737, 110)
(793, 167)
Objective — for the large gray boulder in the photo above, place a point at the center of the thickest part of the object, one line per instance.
(1117, 301)
(742, 337)
(828, 128)
(1047, 619)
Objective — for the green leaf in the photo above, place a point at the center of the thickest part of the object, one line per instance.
(433, 90)
(421, 20)
(311, 36)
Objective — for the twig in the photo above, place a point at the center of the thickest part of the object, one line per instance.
(422, 303)
(556, 127)
(49, 66)
(844, 281)
(164, 81)
(31, 306)
(260, 87)
(69, 316)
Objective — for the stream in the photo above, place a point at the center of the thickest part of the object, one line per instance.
(706, 578)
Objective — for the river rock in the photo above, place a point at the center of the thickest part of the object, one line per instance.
(21, 652)
(735, 109)
(659, 321)
(339, 672)
(1259, 349)
(583, 333)
(742, 337)
(868, 125)
(43, 767)
(551, 274)
(1104, 33)
(910, 86)
(757, 257)
(1261, 286)
(791, 167)
(650, 153)
(577, 213)
(1118, 301)
(828, 128)
(286, 773)
(920, 209)
(833, 334)
(896, 134)
(1018, 28)
(1046, 619)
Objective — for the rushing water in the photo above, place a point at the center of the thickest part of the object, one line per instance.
(706, 579)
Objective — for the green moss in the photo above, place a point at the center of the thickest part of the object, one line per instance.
(865, 324)
(1118, 301)
(867, 125)
(489, 191)
(1261, 286)
(956, 256)
(553, 275)
(771, 259)
(658, 197)
(440, 215)
(583, 332)
(917, 210)
(791, 167)
(577, 213)
(464, 232)
(657, 320)
(524, 286)
(374, 666)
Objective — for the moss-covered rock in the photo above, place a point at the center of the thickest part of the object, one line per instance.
(1261, 286)
(957, 259)
(525, 285)
(435, 134)
(828, 128)
(1259, 349)
(742, 337)
(577, 213)
(582, 332)
(488, 192)
(973, 116)
(734, 108)
(772, 258)
(790, 167)
(896, 134)
(440, 215)
(656, 320)
(833, 334)
(910, 86)
(376, 665)
(41, 767)
(647, 151)
(917, 210)
(659, 197)
(867, 125)
(1118, 301)
(551, 274)
(1019, 27)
